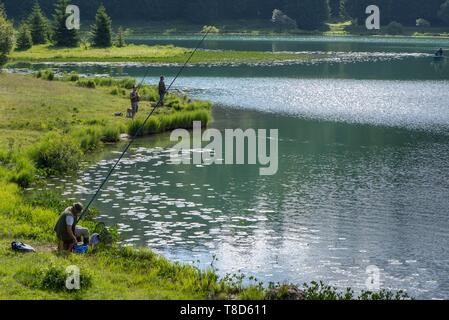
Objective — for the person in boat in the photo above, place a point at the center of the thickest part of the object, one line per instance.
(439, 53)
(134, 101)
(162, 90)
(66, 228)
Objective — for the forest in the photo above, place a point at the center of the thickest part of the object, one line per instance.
(309, 14)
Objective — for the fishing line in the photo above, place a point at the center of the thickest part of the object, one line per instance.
(139, 130)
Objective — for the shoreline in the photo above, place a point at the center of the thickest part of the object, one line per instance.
(119, 272)
(152, 54)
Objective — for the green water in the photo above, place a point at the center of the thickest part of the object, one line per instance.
(363, 168)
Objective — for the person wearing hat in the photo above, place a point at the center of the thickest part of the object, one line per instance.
(65, 228)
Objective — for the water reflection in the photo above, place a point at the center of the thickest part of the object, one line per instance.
(345, 197)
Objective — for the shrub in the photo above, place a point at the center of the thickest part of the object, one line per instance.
(115, 91)
(133, 128)
(210, 29)
(50, 76)
(120, 38)
(148, 93)
(57, 154)
(89, 83)
(394, 28)
(320, 291)
(24, 40)
(384, 295)
(53, 278)
(73, 76)
(422, 23)
(252, 293)
(45, 75)
(24, 172)
(282, 20)
(152, 126)
(104, 82)
(127, 83)
(284, 292)
(111, 134)
(48, 199)
(17, 168)
(89, 138)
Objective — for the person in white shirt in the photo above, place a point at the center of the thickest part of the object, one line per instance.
(67, 231)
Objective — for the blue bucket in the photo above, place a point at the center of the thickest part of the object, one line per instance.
(81, 249)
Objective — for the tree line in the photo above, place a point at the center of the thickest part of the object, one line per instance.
(36, 28)
(309, 14)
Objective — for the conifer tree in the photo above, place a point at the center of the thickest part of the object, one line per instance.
(38, 25)
(63, 36)
(102, 29)
(309, 14)
(24, 38)
(120, 38)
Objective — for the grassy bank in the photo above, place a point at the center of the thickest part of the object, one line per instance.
(149, 54)
(48, 127)
(33, 107)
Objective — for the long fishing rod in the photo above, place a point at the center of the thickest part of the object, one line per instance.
(139, 130)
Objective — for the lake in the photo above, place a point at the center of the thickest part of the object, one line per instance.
(363, 174)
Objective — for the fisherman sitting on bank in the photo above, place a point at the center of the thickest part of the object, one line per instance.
(67, 231)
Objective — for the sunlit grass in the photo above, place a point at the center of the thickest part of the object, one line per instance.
(150, 54)
(32, 107)
(338, 28)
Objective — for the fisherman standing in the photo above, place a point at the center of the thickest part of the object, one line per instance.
(439, 53)
(134, 101)
(66, 227)
(162, 91)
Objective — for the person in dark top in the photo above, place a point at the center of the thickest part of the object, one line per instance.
(439, 53)
(134, 101)
(162, 90)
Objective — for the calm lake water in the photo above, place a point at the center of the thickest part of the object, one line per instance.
(363, 168)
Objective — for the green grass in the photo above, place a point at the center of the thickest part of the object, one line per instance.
(149, 54)
(116, 273)
(113, 274)
(338, 28)
(32, 107)
(51, 123)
